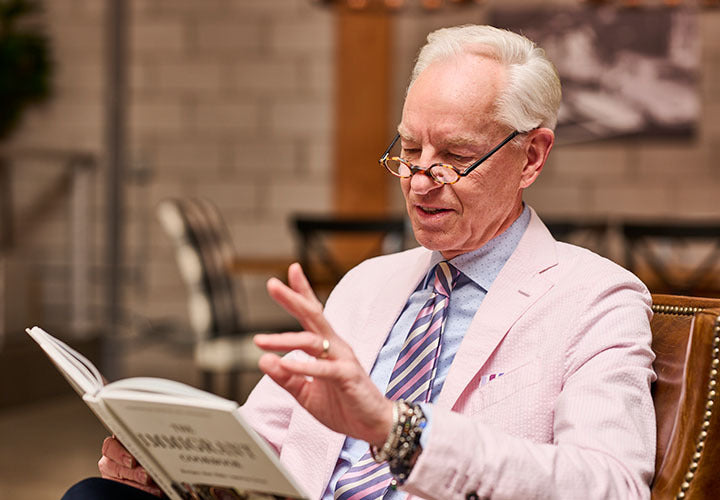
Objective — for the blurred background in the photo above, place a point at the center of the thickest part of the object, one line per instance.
(160, 159)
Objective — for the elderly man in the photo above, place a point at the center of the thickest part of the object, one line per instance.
(493, 361)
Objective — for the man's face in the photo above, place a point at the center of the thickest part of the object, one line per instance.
(448, 118)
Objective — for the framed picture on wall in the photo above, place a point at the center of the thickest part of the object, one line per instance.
(625, 71)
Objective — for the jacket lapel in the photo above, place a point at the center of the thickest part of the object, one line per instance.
(520, 284)
(387, 305)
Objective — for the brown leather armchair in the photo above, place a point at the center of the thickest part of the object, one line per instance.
(686, 341)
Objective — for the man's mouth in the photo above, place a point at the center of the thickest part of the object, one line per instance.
(432, 210)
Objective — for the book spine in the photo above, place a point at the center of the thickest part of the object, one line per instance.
(125, 436)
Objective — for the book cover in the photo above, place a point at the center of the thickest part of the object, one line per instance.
(194, 444)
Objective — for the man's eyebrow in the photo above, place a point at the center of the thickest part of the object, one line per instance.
(405, 135)
(458, 141)
(461, 142)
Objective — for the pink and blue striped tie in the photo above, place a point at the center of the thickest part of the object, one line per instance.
(411, 380)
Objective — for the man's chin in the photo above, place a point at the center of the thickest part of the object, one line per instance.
(436, 242)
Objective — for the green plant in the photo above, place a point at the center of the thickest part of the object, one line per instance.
(25, 65)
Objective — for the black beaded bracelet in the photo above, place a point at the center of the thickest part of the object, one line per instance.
(403, 442)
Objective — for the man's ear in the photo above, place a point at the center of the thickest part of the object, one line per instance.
(537, 148)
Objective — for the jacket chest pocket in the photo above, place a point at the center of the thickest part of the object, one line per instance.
(494, 388)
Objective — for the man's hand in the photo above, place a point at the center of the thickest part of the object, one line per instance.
(333, 387)
(119, 465)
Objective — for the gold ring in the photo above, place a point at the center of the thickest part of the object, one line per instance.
(325, 348)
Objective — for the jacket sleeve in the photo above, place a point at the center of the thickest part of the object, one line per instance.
(269, 409)
(603, 424)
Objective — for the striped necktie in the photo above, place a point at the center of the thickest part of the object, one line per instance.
(411, 380)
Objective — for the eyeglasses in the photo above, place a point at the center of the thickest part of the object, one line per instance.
(442, 173)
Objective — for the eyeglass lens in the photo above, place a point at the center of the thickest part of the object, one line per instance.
(444, 175)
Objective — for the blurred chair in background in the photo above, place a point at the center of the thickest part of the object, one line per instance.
(681, 258)
(331, 246)
(205, 256)
(591, 234)
(686, 341)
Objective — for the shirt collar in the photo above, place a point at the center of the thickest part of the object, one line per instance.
(484, 264)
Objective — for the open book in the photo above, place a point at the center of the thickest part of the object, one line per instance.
(194, 444)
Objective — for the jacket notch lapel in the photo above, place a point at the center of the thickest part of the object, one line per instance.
(386, 307)
(493, 320)
(519, 285)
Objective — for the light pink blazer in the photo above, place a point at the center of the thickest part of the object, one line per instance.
(572, 416)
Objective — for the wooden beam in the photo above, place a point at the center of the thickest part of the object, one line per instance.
(363, 60)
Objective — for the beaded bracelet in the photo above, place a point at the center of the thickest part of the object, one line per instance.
(403, 442)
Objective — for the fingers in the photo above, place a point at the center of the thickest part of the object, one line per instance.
(113, 470)
(294, 303)
(309, 342)
(284, 370)
(299, 282)
(112, 449)
(298, 299)
(117, 464)
(310, 369)
(307, 311)
(271, 365)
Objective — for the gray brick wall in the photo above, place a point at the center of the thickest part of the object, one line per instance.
(232, 100)
(229, 98)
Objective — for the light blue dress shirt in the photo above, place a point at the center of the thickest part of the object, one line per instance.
(479, 269)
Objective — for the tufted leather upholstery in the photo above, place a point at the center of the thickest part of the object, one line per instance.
(686, 341)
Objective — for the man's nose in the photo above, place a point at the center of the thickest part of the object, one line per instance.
(421, 183)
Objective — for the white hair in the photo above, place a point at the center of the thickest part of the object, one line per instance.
(532, 94)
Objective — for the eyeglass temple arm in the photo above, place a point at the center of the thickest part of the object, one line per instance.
(387, 151)
(490, 153)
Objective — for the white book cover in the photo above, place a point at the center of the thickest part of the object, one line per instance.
(194, 444)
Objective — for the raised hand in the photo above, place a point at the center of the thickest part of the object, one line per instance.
(119, 465)
(331, 384)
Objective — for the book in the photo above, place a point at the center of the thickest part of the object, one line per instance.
(194, 444)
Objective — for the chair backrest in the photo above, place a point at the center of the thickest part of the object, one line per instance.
(330, 246)
(686, 342)
(587, 233)
(681, 258)
(203, 252)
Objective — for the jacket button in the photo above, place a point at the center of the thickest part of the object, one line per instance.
(472, 496)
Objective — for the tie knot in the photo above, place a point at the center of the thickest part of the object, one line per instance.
(446, 276)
